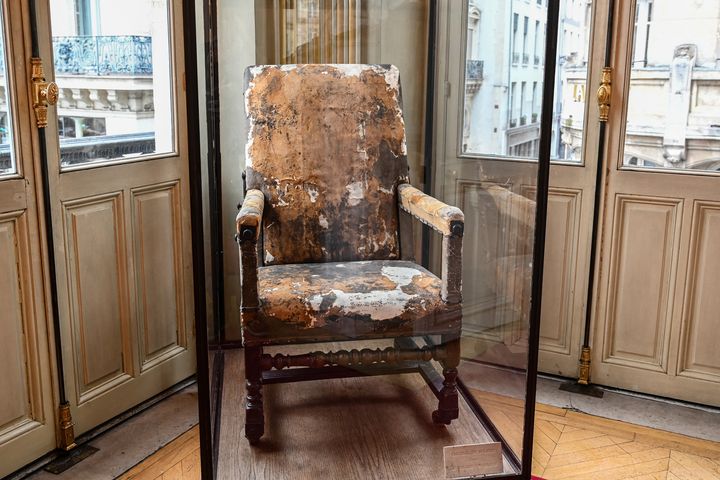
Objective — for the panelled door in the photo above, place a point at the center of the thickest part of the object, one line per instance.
(27, 416)
(658, 322)
(655, 315)
(491, 81)
(118, 162)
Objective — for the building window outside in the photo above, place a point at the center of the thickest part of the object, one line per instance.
(76, 127)
(515, 53)
(116, 75)
(536, 58)
(673, 113)
(526, 22)
(643, 22)
(83, 17)
(513, 97)
(7, 154)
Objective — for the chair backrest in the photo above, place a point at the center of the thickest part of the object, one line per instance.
(326, 146)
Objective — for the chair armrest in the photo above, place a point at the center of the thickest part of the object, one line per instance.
(249, 217)
(438, 215)
(447, 220)
(248, 220)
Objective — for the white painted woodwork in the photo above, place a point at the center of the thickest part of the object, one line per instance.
(560, 275)
(27, 397)
(15, 402)
(158, 248)
(657, 319)
(701, 321)
(99, 303)
(124, 260)
(645, 238)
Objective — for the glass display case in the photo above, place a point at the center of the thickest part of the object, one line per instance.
(375, 178)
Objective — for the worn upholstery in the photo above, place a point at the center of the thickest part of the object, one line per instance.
(327, 149)
(429, 210)
(343, 301)
(250, 214)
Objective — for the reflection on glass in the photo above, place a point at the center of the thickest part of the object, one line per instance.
(504, 78)
(7, 156)
(113, 64)
(321, 124)
(674, 108)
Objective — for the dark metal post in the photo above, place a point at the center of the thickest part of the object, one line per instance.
(582, 385)
(196, 212)
(543, 181)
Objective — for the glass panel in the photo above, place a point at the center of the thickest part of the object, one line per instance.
(7, 149)
(673, 117)
(113, 64)
(325, 148)
(502, 105)
(504, 78)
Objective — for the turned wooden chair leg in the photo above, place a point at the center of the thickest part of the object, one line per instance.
(448, 398)
(254, 415)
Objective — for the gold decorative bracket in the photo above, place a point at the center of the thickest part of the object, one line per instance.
(604, 93)
(43, 93)
(584, 376)
(66, 428)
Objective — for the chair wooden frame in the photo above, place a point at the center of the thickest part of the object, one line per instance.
(405, 357)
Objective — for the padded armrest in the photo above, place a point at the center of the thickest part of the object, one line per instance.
(440, 216)
(447, 220)
(250, 215)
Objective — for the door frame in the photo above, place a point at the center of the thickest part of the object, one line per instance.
(27, 147)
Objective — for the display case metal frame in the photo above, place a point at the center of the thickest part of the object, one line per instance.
(210, 382)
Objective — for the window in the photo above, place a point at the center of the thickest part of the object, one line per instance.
(76, 127)
(536, 59)
(83, 18)
(116, 66)
(516, 20)
(7, 154)
(525, 39)
(513, 101)
(643, 20)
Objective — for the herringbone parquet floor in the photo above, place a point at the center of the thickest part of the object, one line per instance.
(574, 446)
(568, 446)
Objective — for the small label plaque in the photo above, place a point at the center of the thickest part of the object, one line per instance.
(463, 461)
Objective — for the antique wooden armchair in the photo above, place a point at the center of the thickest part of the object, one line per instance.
(319, 235)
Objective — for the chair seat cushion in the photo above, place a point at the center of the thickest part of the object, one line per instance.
(348, 301)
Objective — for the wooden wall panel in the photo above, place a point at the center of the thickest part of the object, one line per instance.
(642, 277)
(16, 392)
(100, 313)
(700, 353)
(159, 284)
(563, 231)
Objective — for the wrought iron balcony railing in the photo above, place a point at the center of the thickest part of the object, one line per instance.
(515, 58)
(103, 55)
(74, 151)
(474, 70)
(526, 58)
